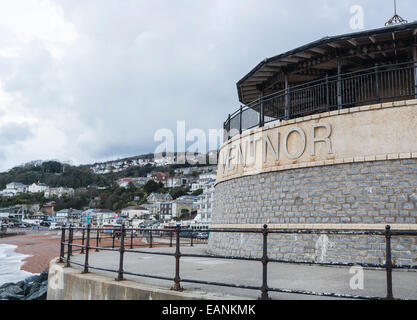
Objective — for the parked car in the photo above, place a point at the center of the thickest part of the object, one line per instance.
(54, 226)
(186, 234)
(45, 224)
(201, 235)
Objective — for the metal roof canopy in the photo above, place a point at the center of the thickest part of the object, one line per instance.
(320, 58)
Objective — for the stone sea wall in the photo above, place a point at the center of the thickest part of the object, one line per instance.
(359, 194)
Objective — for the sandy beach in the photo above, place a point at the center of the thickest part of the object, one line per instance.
(42, 246)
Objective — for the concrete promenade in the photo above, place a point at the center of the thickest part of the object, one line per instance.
(280, 275)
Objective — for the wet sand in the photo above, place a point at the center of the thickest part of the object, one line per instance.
(42, 246)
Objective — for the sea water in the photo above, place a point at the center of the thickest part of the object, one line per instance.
(10, 264)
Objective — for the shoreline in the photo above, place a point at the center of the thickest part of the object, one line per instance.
(39, 246)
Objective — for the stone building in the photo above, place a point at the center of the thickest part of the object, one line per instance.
(326, 140)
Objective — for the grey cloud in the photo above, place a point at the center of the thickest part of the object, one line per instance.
(139, 66)
(12, 133)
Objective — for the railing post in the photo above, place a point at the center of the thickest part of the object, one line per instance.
(264, 288)
(377, 83)
(87, 245)
(388, 262)
(131, 239)
(240, 120)
(170, 240)
(122, 251)
(287, 98)
(228, 127)
(339, 83)
(177, 279)
(261, 112)
(62, 252)
(327, 93)
(113, 236)
(97, 239)
(192, 239)
(69, 249)
(150, 239)
(82, 241)
(415, 66)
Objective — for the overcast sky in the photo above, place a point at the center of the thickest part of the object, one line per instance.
(91, 80)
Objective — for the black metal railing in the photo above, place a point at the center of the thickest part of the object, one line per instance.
(125, 238)
(381, 83)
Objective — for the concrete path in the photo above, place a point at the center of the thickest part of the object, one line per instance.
(280, 275)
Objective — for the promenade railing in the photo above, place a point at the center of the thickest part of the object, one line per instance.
(123, 240)
(381, 83)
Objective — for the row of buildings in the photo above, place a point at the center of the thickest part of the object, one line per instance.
(181, 178)
(187, 209)
(198, 208)
(155, 161)
(15, 188)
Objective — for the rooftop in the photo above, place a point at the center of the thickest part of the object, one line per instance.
(316, 59)
(333, 73)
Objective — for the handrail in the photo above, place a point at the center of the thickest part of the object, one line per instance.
(123, 246)
(372, 84)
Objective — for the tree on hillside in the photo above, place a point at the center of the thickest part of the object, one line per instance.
(178, 192)
(197, 192)
(52, 167)
(151, 186)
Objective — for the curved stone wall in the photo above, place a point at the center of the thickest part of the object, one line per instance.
(370, 133)
(348, 169)
(366, 195)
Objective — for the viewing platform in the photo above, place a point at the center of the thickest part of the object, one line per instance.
(326, 136)
(333, 73)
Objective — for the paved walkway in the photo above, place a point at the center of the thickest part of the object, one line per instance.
(280, 275)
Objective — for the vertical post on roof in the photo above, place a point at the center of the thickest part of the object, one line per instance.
(228, 127)
(240, 120)
(339, 83)
(287, 98)
(415, 67)
(261, 110)
(327, 93)
(377, 83)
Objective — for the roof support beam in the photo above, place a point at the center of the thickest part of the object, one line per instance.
(303, 55)
(277, 64)
(353, 42)
(291, 60)
(270, 68)
(334, 45)
(318, 50)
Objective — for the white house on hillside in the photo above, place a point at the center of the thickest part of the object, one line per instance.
(37, 187)
(205, 203)
(13, 188)
(19, 187)
(59, 192)
(134, 212)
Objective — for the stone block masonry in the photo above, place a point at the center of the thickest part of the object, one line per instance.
(350, 194)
